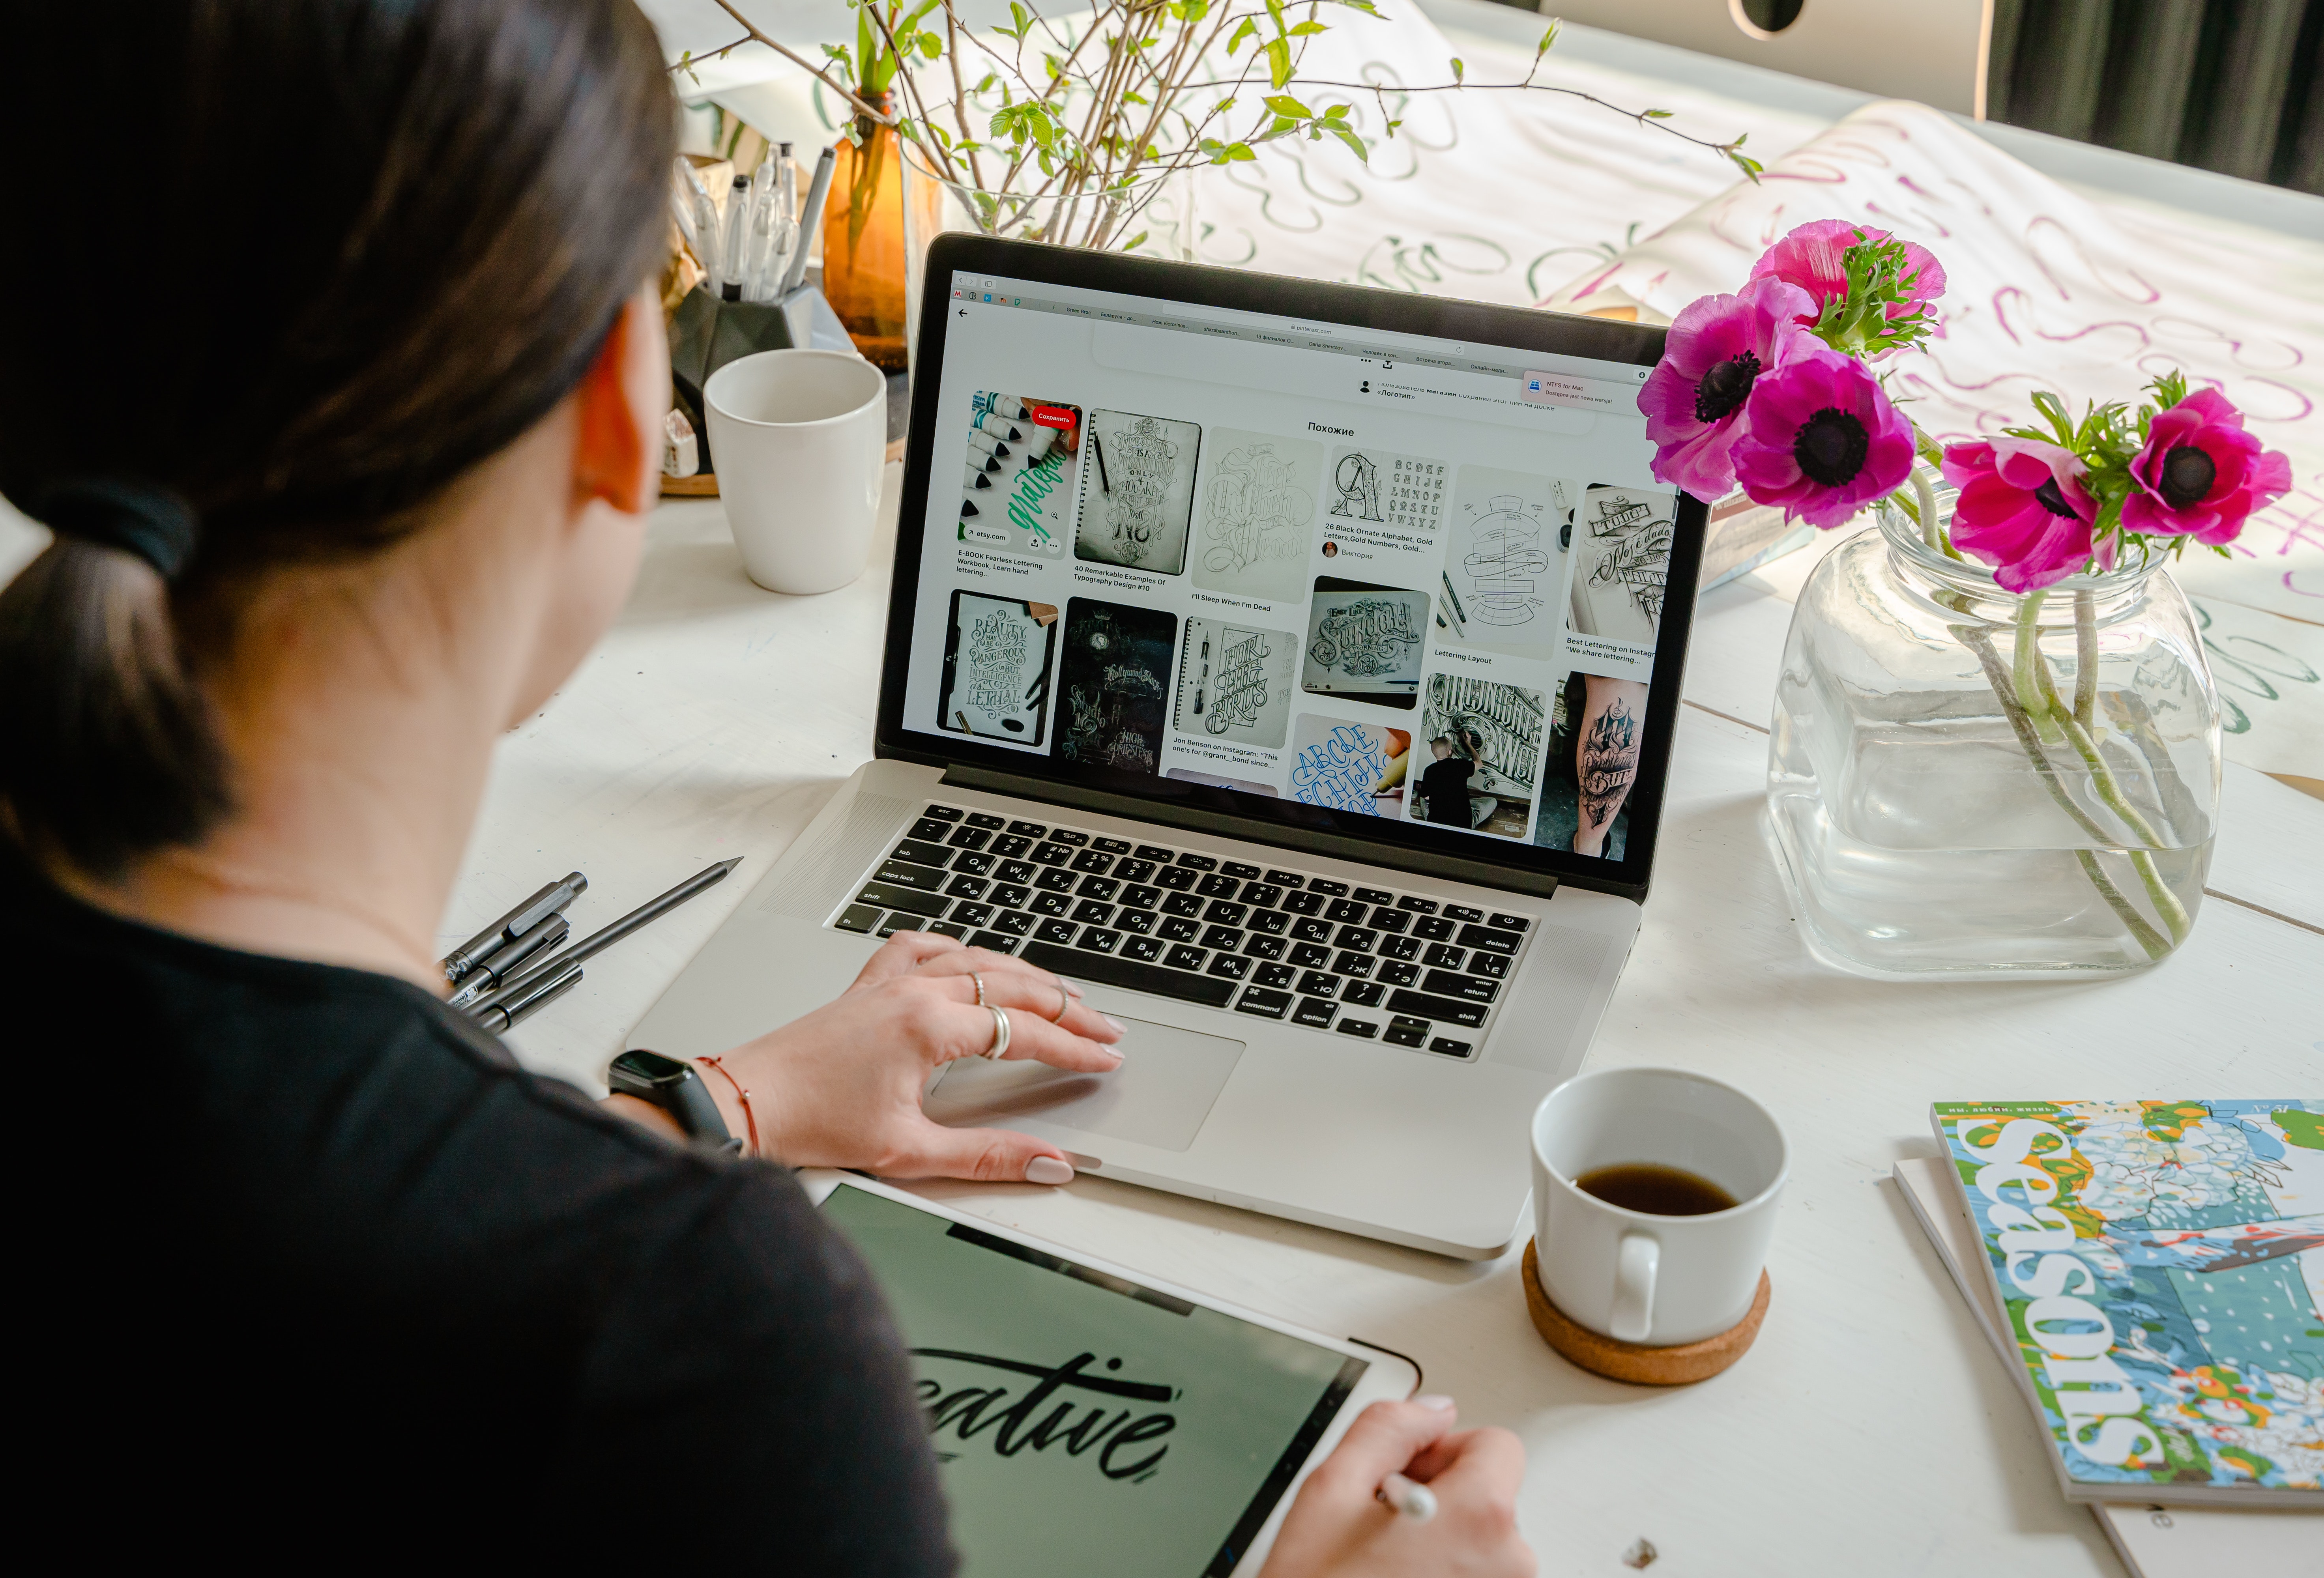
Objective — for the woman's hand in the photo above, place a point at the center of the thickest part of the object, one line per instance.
(1338, 1527)
(841, 1086)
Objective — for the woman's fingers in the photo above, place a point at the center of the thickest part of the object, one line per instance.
(901, 955)
(994, 1156)
(1384, 1440)
(1012, 984)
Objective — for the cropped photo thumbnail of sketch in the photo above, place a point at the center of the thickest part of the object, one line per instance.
(1114, 682)
(1138, 491)
(1404, 491)
(1621, 562)
(1364, 642)
(1481, 755)
(1500, 580)
(1234, 683)
(1017, 488)
(1259, 504)
(996, 668)
(1348, 766)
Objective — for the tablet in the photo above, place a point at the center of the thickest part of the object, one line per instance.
(1089, 1418)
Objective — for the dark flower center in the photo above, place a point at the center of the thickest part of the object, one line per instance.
(1830, 447)
(2187, 475)
(1725, 387)
(2050, 499)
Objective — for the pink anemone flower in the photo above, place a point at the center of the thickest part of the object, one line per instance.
(2023, 510)
(1821, 440)
(2202, 475)
(1810, 256)
(1693, 399)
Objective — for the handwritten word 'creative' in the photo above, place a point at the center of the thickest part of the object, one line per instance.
(971, 1411)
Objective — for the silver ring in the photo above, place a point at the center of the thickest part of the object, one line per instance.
(1000, 1034)
(973, 975)
(1064, 1002)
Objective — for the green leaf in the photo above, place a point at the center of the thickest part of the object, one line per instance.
(1283, 103)
(1306, 28)
(1139, 240)
(1547, 39)
(1275, 14)
(1657, 115)
(1278, 62)
(1338, 112)
(930, 46)
(1392, 125)
(1354, 142)
(1133, 99)
(1460, 72)
(1248, 29)
(1239, 151)
(1223, 106)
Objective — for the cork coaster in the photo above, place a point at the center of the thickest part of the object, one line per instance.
(1630, 1361)
(690, 487)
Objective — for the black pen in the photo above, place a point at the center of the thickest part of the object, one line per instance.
(461, 961)
(597, 942)
(524, 997)
(503, 962)
(1104, 484)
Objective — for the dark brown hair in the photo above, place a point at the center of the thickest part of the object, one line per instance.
(360, 246)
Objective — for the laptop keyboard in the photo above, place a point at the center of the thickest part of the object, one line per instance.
(1274, 943)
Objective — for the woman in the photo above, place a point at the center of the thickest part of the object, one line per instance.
(341, 405)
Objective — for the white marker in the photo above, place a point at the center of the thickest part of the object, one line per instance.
(1415, 1501)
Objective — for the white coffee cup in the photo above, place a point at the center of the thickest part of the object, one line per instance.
(798, 438)
(1656, 1281)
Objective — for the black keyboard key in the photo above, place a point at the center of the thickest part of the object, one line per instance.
(1111, 845)
(1054, 931)
(1051, 903)
(1346, 910)
(1507, 922)
(1367, 1029)
(1090, 912)
(1226, 912)
(1310, 956)
(1137, 897)
(988, 820)
(958, 933)
(1055, 880)
(1263, 1002)
(888, 896)
(1452, 1010)
(1051, 854)
(974, 864)
(1183, 957)
(942, 813)
(969, 838)
(1097, 886)
(899, 921)
(1273, 922)
(1353, 964)
(973, 914)
(1179, 928)
(857, 918)
(1449, 1047)
(1462, 912)
(931, 830)
(1242, 869)
(921, 852)
(1363, 993)
(1258, 947)
(1434, 928)
(1112, 970)
(1418, 906)
(1142, 947)
(1221, 937)
(1018, 871)
(1067, 836)
(1493, 965)
(1407, 1033)
(903, 874)
(1472, 988)
(1217, 886)
(1094, 860)
(1229, 966)
(1312, 929)
(1330, 889)
(1400, 947)
(967, 886)
(1009, 846)
(1011, 895)
(1028, 829)
(1098, 940)
(1286, 879)
(1259, 895)
(1015, 922)
(1485, 936)
(1388, 921)
(1177, 878)
(1182, 904)
(1356, 939)
(1399, 975)
(1303, 903)
(1197, 862)
(1136, 922)
(1445, 956)
(999, 942)
(1315, 1012)
(1315, 984)
(1134, 871)
(1274, 975)
(1157, 853)
(1374, 895)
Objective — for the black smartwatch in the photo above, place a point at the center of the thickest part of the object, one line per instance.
(676, 1089)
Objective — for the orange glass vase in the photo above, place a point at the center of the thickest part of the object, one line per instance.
(863, 243)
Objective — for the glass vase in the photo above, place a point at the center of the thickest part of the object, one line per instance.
(863, 243)
(1152, 217)
(1966, 783)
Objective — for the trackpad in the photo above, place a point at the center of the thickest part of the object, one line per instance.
(1159, 1096)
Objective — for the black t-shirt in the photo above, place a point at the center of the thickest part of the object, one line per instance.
(1447, 784)
(308, 1271)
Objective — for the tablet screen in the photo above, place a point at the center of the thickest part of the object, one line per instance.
(1083, 1422)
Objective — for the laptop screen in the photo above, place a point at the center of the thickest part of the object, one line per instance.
(1321, 572)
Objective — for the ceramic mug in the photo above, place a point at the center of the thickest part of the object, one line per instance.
(799, 438)
(1656, 1281)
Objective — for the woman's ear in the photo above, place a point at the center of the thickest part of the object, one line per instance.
(622, 398)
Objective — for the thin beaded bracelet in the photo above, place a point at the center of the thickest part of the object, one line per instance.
(741, 1094)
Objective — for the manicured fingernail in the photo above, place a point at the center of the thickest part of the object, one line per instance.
(1437, 1401)
(1048, 1169)
(1119, 1028)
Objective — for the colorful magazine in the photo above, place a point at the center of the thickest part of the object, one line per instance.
(2161, 1268)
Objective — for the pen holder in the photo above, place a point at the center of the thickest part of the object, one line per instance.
(707, 331)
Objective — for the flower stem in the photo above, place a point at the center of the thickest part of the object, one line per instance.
(2148, 937)
(2026, 664)
(2086, 659)
(1931, 532)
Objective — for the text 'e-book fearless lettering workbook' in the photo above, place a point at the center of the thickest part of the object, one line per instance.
(1373, 573)
(2160, 1265)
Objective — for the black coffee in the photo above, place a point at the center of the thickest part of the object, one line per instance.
(1655, 1190)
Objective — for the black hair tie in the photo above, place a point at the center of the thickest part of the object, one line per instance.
(138, 518)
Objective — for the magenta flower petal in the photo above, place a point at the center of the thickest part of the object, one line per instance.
(1810, 256)
(1693, 399)
(1821, 438)
(2201, 474)
(2022, 509)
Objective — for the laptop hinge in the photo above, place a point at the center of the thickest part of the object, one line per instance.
(1426, 862)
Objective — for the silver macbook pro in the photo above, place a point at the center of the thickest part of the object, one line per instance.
(1293, 665)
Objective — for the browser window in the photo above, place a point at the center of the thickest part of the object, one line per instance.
(1376, 572)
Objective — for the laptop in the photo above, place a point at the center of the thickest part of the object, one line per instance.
(1295, 667)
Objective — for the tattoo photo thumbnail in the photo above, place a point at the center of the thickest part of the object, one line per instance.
(1479, 756)
(1598, 728)
(1017, 487)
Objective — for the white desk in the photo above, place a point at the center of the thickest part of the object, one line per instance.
(1870, 1431)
